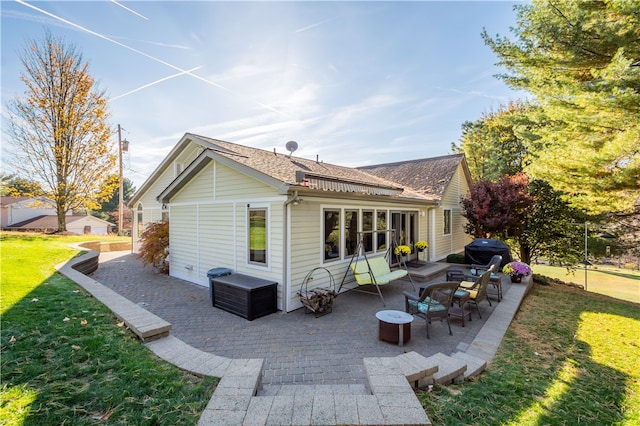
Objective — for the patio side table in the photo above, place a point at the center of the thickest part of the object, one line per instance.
(394, 326)
(460, 300)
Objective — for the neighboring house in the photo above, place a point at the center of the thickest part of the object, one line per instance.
(275, 216)
(39, 215)
(18, 209)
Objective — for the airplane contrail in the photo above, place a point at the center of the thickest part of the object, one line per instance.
(129, 10)
(154, 83)
(146, 55)
(308, 27)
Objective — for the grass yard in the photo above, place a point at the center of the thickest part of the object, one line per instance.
(570, 357)
(67, 360)
(619, 283)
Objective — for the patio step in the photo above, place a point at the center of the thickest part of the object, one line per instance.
(394, 397)
(418, 369)
(280, 390)
(475, 365)
(450, 370)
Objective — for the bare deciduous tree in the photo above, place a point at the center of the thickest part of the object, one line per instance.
(59, 128)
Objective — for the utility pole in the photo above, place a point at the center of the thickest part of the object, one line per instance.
(123, 145)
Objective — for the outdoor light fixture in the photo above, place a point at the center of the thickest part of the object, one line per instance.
(295, 200)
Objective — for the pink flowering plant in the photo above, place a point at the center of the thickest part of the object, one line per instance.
(517, 269)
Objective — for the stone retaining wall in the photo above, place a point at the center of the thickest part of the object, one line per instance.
(105, 246)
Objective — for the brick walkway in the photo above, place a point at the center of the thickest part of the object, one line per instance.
(296, 347)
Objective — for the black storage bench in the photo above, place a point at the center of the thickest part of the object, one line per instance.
(215, 273)
(243, 295)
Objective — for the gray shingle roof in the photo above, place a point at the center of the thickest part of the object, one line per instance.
(424, 180)
(7, 200)
(428, 176)
(284, 167)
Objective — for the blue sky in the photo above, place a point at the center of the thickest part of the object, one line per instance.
(353, 83)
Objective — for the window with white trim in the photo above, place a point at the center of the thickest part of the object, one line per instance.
(381, 225)
(367, 225)
(258, 236)
(447, 222)
(331, 232)
(140, 220)
(340, 228)
(351, 229)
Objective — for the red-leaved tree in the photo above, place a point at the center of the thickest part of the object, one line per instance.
(497, 208)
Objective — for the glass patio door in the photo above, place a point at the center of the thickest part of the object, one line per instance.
(406, 226)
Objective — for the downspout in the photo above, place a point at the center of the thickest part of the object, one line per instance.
(285, 259)
(286, 265)
(432, 231)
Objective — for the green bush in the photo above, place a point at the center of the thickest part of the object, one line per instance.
(455, 258)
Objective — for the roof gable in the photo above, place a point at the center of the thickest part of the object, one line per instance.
(428, 176)
(417, 179)
(283, 171)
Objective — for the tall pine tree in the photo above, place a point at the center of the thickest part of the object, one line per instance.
(581, 61)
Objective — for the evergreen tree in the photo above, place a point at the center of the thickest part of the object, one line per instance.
(581, 61)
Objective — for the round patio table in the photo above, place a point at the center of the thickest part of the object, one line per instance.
(394, 326)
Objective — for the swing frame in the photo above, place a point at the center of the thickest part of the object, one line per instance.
(373, 280)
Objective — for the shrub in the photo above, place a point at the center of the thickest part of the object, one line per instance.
(455, 258)
(155, 246)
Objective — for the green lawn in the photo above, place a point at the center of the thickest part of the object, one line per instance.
(570, 357)
(620, 283)
(66, 359)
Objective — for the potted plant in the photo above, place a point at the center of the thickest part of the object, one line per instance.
(402, 250)
(516, 270)
(421, 245)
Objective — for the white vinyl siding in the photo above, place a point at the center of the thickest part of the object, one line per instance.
(455, 241)
(217, 246)
(232, 184)
(307, 250)
(215, 221)
(200, 187)
(153, 211)
(183, 239)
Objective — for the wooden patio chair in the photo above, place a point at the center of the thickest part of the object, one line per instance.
(433, 303)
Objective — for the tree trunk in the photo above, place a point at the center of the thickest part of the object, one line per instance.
(62, 218)
(525, 253)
